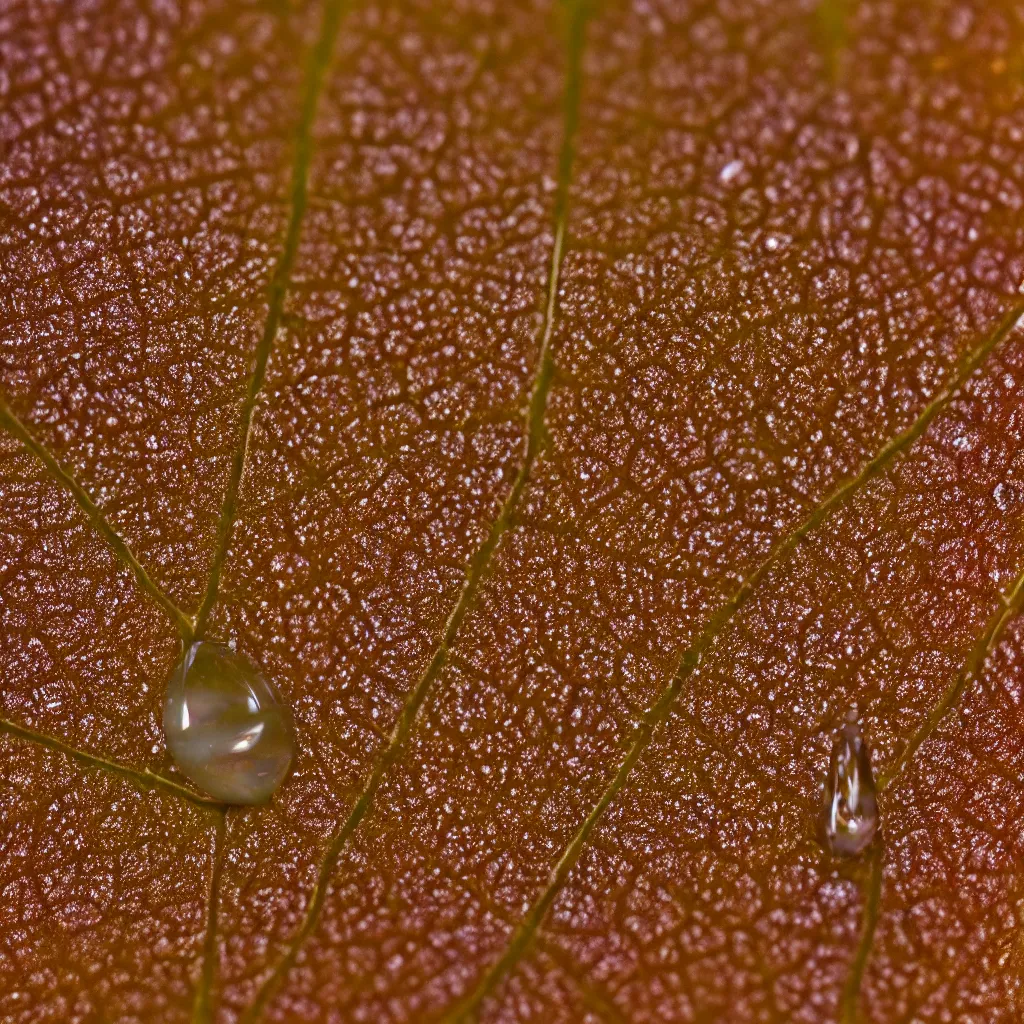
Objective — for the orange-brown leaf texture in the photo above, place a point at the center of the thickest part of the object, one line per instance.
(575, 407)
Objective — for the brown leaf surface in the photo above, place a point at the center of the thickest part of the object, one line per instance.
(575, 408)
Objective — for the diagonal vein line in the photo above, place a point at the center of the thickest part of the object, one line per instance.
(869, 921)
(278, 292)
(480, 563)
(593, 998)
(203, 1012)
(10, 422)
(1009, 608)
(692, 656)
(144, 779)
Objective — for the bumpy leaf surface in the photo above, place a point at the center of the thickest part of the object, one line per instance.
(575, 408)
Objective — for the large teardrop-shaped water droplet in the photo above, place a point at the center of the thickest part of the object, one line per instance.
(850, 814)
(226, 726)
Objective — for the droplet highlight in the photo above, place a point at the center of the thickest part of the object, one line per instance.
(226, 726)
(850, 812)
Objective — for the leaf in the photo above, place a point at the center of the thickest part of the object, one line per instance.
(110, 925)
(575, 409)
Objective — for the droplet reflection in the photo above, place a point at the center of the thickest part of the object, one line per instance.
(850, 812)
(226, 727)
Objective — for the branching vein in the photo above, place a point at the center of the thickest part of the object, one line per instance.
(278, 293)
(692, 656)
(144, 779)
(10, 422)
(527, 931)
(481, 561)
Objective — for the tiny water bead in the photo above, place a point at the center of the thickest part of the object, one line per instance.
(226, 727)
(850, 812)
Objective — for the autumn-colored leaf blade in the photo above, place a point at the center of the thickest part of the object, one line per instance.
(17, 430)
(137, 345)
(99, 939)
(384, 841)
(573, 435)
(142, 195)
(478, 567)
(462, 421)
(319, 59)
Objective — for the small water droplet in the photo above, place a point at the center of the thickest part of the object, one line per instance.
(850, 812)
(226, 726)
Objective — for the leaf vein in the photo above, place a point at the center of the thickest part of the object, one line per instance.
(203, 1007)
(481, 561)
(869, 921)
(279, 285)
(693, 655)
(144, 779)
(1009, 607)
(14, 426)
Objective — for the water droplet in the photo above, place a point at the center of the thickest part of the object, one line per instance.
(850, 812)
(226, 726)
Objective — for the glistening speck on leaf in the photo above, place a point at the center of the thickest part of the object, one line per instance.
(596, 393)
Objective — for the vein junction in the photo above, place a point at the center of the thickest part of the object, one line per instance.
(691, 658)
(528, 929)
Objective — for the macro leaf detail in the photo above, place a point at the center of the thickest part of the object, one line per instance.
(574, 408)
